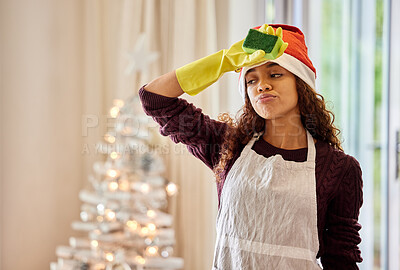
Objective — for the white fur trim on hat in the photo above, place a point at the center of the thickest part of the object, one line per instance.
(288, 62)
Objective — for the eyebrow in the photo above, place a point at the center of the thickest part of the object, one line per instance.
(271, 64)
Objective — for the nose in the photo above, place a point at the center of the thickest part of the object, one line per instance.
(265, 85)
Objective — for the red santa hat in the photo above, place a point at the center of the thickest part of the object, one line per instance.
(294, 59)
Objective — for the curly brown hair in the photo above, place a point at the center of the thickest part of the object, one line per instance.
(315, 117)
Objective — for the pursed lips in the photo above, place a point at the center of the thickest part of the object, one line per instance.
(265, 97)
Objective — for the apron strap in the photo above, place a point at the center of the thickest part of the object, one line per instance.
(310, 148)
(249, 145)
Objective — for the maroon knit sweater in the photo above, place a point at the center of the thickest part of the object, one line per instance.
(338, 176)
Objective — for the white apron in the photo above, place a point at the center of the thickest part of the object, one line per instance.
(268, 213)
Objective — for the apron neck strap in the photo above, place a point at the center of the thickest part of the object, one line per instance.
(310, 147)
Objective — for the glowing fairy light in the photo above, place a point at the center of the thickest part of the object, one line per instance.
(114, 111)
(100, 209)
(113, 186)
(172, 189)
(114, 155)
(148, 241)
(94, 243)
(166, 252)
(152, 250)
(151, 213)
(109, 256)
(112, 173)
(152, 227)
(84, 216)
(145, 188)
(132, 224)
(110, 214)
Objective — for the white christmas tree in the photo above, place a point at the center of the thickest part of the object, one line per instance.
(123, 214)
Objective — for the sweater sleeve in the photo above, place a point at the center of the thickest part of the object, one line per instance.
(341, 237)
(184, 123)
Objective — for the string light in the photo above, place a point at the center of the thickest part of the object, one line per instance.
(94, 243)
(152, 250)
(171, 189)
(133, 225)
(151, 213)
(145, 188)
(113, 186)
(112, 173)
(100, 218)
(148, 241)
(84, 216)
(152, 227)
(149, 229)
(110, 214)
(114, 155)
(100, 209)
(109, 256)
(114, 111)
(166, 252)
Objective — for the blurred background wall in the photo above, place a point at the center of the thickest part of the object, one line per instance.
(42, 168)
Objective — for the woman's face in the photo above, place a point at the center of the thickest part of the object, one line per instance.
(272, 91)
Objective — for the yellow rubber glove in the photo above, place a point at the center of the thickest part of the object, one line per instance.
(198, 75)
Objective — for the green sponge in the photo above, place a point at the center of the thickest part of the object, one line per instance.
(257, 40)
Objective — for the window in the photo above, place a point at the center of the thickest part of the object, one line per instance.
(346, 41)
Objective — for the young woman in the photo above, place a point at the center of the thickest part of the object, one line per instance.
(288, 194)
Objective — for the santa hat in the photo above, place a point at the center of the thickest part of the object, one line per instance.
(295, 58)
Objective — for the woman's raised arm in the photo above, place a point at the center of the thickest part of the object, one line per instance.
(198, 75)
(166, 85)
